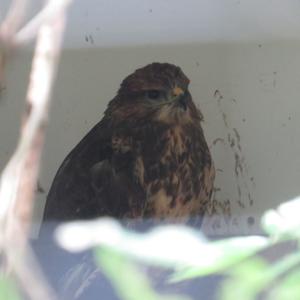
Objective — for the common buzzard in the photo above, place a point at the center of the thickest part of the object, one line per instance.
(147, 157)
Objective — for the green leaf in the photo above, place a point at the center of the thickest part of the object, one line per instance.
(245, 282)
(288, 288)
(231, 252)
(254, 276)
(127, 280)
(8, 290)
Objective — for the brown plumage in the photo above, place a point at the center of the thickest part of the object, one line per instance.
(147, 157)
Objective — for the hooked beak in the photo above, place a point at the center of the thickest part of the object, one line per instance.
(180, 96)
(177, 91)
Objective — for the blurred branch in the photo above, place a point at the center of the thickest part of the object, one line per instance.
(18, 180)
(51, 10)
(13, 20)
(10, 34)
(8, 29)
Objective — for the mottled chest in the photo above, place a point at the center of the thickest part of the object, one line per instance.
(177, 175)
(171, 165)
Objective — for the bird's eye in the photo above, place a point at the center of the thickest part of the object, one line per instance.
(153, 94)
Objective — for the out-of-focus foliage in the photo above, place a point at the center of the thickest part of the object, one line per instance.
(283, 223)
(248, 273)
(230, 252)
(288, 289)
(129, 282)
(8, 290)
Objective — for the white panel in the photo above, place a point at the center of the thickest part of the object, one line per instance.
(243, 61)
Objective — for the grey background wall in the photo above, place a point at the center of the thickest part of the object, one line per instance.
(243, 59)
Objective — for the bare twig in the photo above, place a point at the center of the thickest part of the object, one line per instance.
(13, 20)
(19, 177)
(25, 269)
(8, 29)
(18, 180)
(29, 31)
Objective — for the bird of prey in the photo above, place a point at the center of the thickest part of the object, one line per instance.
(146, 158)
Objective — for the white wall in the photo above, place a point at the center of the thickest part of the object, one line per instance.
(247, 51)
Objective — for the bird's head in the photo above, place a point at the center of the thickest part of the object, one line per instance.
(159, 91)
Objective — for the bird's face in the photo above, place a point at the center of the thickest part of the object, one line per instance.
(157, 91)
(175, 96)
(171, 105)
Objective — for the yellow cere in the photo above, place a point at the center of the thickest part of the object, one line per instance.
(177, 91)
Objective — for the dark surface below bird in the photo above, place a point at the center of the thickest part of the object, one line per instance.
(147, 157)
